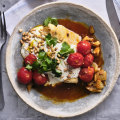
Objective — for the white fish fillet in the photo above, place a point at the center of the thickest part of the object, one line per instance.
(64, 34)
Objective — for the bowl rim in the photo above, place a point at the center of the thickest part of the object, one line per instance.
(115, 77)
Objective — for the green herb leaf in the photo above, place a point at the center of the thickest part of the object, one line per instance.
(44, 64)
(29, 67)
(65, 50)
(57, 73)
(36, 65)
(41, 55)
(50, 40)
(50, 20)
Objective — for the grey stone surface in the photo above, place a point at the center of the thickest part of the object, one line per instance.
(16, 109)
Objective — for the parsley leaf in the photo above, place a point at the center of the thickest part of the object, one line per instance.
(50, 20)
(65, 50)
(45, 64)
(57, 73)
(50, 40)
(41, 55)
(29, 67)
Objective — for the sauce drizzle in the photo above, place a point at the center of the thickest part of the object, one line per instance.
(66, 92)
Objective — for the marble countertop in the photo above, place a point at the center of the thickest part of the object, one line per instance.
(16, 109)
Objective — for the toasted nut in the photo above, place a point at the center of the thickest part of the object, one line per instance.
(58, 68)
(96, 51)
(23, 38)
(29, 87)
(68, 76)
(21, 42)
(38, 36)
(96, 44)
(37, 49)
(53, 56)
(58, 55)
(58, 61)
(49, 53)
(20, 30)
(36, 54)
(29, 35)
(66, 63)
(91, 30)
(88, 39)
(31, 50)
(56, 49)
(59, 41)
(23, 33)
(42, 48)
(52, 49)
(33, 29)
(65, 69)
(43, 75)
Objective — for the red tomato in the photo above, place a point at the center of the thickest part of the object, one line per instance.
(84, 47)
(86, 74)
(24, 76)
(88, 60)
(30, 59)
(39, 79)
(75, 60)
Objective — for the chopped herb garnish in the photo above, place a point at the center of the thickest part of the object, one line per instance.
(45, 64)
(65, 50)
(29, 67)
(50, 40)
(50, 20)
(57, 73)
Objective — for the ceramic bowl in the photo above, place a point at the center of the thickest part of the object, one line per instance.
(75, 12)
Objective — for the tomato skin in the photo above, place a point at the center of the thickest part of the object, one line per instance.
(75, 60)
(88, 60)
(30, 59)
(39, 79)
(24, 76)
(86, 74)
(84, 47)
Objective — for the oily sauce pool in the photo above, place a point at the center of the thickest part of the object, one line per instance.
(67, 92)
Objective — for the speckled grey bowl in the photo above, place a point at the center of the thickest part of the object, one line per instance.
(110, 50)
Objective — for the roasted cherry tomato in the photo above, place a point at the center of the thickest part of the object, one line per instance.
(30, 59)
(39, 79)
(75, 60)
(86, 74)
(88, 60)
(84, 47)
(24, 76)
